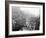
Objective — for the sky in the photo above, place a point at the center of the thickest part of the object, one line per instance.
(29, 11)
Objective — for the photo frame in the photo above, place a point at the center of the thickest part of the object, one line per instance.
(24, 18)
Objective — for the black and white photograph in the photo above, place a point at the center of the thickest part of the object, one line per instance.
(25, 18)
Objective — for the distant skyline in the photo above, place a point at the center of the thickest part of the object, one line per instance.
(26, 10)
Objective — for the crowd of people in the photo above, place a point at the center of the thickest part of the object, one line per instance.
(22, 24)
